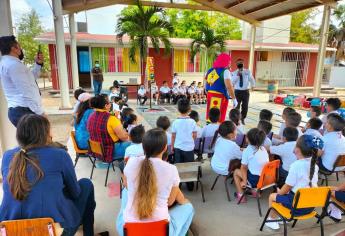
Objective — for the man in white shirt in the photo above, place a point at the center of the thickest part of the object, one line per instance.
(165, 92)
(142, 94)
(18, 82)
(243, 80)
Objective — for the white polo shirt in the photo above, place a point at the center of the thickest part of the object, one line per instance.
(175, 90)
(334, 145)
(164, 89)
(134, 150)
(313, 132)
(286, 152)
(209, 130)
(142, 92)
(184, 127)
(255, 159)
(298, 176)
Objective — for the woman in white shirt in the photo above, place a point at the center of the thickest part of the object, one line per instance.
(152, 187)
(225, 149)
(303, 173)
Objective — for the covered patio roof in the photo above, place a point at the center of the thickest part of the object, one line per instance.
(252, 11)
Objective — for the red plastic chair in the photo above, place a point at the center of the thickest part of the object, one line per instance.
(157, 228)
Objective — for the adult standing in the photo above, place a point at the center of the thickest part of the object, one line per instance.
(18, 82)
(219, 87)
(97, 75)
(243, 80)
(176, 79)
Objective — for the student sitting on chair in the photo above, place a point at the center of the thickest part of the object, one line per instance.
(265, 115)
(266, 126)
(195, 116)
(339, 194)
(200, 93)
(142, 95)
(40, 181)
(333, 105)
(152, 190)
(175, 93)
(225, 149)
(163, 122)
(254, 158)
(334, 142)
(211, 128)
(154, 92)
(278, 137)
(303, 173)
(235, 116)
(192, 93)
(165, 92)
(136, 148)
(313, 127)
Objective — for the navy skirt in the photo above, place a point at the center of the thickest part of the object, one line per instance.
(252, 179)
(287, 199)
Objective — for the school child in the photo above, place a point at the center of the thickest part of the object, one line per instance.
(210, 129)
(183, 134)
(278, 137)
(286, 151)
(303, 173)
(116, 106)
(333, 105)
(163, 122)
(192, 92)
(314, 112)
(313, 127)
(200, 92)
(293, 120)
(195, 116)
(130, 122)
(142, 97)
(225, 149)
(76, 94)
(114, 92)
(334, 141)
(164, 92)
(265, 115)
(235, 116)
(182, 90)
(254, 158)
(174, 93)
(136, 148)
(339, 194)
(154, 92)
(266, 126)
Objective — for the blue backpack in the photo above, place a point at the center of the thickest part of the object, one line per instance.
(341, 112)
(315, 102)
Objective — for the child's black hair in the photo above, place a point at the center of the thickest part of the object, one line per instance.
(225, 128)
(265, 126)
(125, 112)
(214, 114)
(336, 121)
(235, 116)
(293, 119)
(288, 110)
(77, 92)
(335, 103)
(183, 105)
(194, 115)
(315, 123)
(265, 115)
(129, 120)
(137, 134)
(98, 102)
(317, 110)
(163, 122)
(256, 137)
(290, 134)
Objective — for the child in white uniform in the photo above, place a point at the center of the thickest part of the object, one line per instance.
(174, 91)
(200, 92)
(235, 116)
(195, 116)
(303, 173)
(278, 137)
(136, 148)
(313, 127)
(163, 122)
(210, 129)
(266, 126)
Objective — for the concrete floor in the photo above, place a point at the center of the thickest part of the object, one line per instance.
(216, 216)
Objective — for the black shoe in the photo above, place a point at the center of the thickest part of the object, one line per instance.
(105, 233)
(243, 122)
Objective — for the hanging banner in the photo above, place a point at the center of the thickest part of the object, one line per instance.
(150, 72)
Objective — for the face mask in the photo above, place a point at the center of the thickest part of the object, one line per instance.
(97, 65)
(308, 114)
(21, 55)
(240, 65)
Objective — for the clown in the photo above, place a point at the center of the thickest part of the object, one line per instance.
(219, 87)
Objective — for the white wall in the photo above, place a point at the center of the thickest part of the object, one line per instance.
(337, 77)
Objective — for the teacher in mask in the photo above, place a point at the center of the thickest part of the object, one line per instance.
(97, 76)
(243, 81)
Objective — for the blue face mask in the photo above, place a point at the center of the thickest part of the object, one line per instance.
(308, 114)
(97, 65)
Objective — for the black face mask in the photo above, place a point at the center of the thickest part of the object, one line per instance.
(240, 65)
(21, 55)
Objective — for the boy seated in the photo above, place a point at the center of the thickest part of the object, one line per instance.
(195, 116)
(165, 92)
(334, 142)
(136, 148)
(114, 92)
(175, 92)
(293, 120)
(314, 112)
(192, 92)
(200, 93)
(313, 126)
(286, 151)
(266, 126)
(278, 137)
(182, 90)
(333, 105)
(154, 92)
(163, 122)
(142, 97)
(265, 115)
(210, 129)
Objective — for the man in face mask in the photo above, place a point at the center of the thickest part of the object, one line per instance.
(18, 82)
(97, 78)
(243, 80)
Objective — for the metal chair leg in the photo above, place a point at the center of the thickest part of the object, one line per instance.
(227, 188)
(294, 223)
(337, 176)
(326, 180)
(285, 228)
(113, 166)
(202, 191)
(240, 200)
(264, 221)
(214, 183)
(93, 167)
(76, 159)
(321, 226)
(259, 206)
(322, 181)
(106, 177)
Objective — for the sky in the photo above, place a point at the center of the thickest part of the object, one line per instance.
(100, 21)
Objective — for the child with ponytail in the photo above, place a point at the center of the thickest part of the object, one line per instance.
(152, 188)
(303, 173)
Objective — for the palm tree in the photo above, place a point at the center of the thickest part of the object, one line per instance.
(209, 43)
(144, 25)
(337, 34)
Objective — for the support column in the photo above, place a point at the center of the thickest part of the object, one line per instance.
(61, 55)
(7, 130)
(252, 48)
(322, 50)
(74, 58)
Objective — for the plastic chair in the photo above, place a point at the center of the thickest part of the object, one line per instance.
(157, 228)
(304, 198)
(28, 227)
(198, 148)
(339, 166)
(268, 179)
(206, 143)
(78, 152)
(226, 178)
(96, 149)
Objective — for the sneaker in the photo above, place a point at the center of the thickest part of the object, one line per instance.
(272, 225)
(238, 197)
(334, 213)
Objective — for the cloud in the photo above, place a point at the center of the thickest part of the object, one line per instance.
(18, 9)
